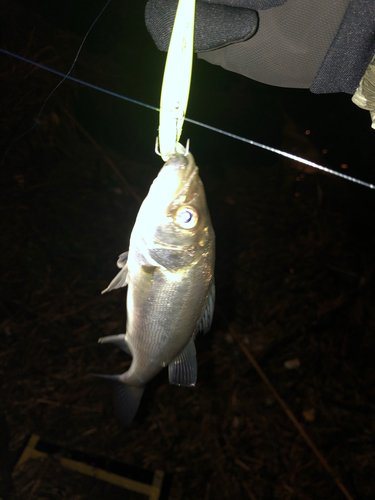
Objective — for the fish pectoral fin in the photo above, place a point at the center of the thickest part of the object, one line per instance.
(120, 280)
(117, 340)
(122, 260)
(183, 369)
(204, 324)
(126, 397)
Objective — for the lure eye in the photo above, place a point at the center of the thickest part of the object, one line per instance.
(186, 217)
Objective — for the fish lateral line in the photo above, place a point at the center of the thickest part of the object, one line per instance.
(190, 120)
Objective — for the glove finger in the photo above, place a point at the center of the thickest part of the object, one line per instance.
(215, 25)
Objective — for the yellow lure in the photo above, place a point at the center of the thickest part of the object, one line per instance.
(176, 81)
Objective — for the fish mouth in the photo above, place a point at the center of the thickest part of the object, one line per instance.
(181, 162)
(186, 172)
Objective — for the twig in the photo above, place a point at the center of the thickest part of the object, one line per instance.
(286, 408)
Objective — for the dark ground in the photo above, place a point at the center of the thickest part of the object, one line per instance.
(294, 273)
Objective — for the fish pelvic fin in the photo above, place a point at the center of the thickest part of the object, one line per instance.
(122, 260)
(126, 397)
(121, 279)
(183, 369)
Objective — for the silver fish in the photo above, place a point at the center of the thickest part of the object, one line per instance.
(169, 270)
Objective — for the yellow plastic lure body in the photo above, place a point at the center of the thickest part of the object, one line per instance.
(176, 81)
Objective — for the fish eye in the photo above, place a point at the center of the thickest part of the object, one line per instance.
(186, 217)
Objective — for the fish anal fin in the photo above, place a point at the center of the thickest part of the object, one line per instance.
(183, 369)
(117, 340)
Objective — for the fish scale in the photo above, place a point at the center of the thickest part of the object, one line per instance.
(159, 329)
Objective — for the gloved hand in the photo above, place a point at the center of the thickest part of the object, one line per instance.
(279, 42)
(322, 45)
(216, 25)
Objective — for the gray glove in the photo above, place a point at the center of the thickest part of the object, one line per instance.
(322, 45)
(279, 42)
(216, 24)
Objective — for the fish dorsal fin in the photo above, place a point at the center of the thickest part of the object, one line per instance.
(121, 279)
(204, 324)
(183, 369)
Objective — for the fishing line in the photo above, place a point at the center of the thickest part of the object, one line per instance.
(58, 85)
(284, 153)
(190, 120)
(77, 80)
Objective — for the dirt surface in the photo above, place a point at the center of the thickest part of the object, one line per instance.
(294, 274)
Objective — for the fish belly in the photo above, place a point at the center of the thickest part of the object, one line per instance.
(161, 323)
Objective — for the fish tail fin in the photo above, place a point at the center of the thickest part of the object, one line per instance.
(126, 397)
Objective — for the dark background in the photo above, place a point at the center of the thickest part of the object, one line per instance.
(294, 267)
